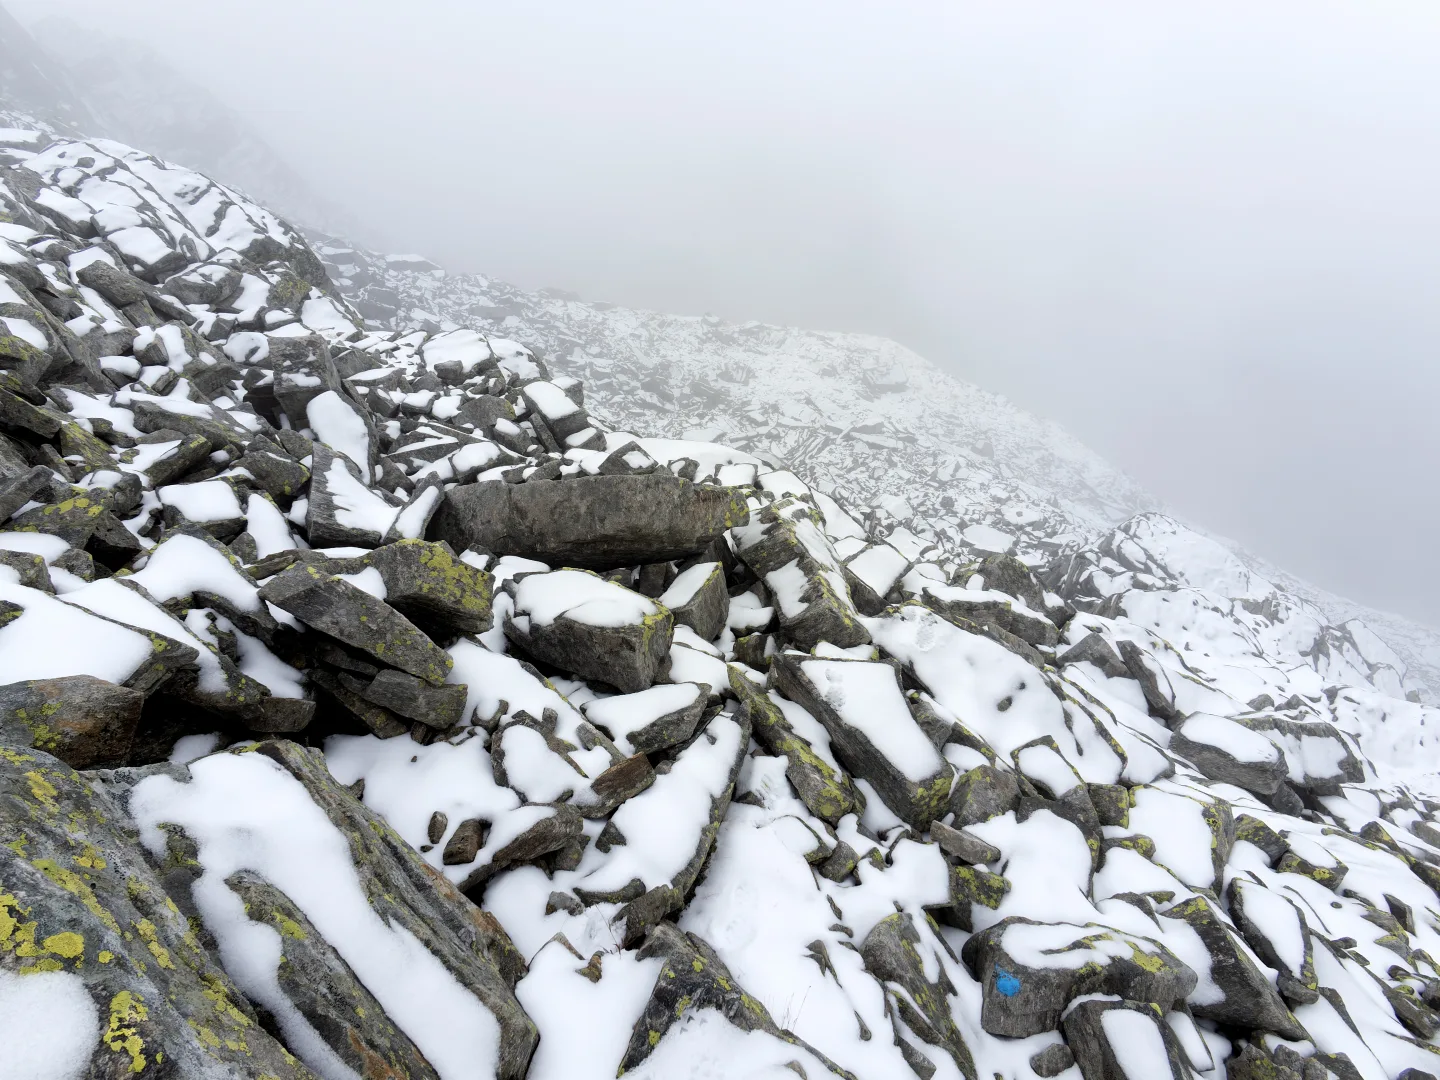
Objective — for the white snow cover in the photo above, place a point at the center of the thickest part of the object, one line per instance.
(48, 1025)
(583, 597)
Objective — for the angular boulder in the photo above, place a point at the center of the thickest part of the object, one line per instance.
(1123, 1040)
(596, 628)
(1230, 753)
(1030, 971)
(86, 722)
(593, 522)
(863, 707)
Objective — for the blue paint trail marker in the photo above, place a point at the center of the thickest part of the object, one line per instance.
(1006, 983)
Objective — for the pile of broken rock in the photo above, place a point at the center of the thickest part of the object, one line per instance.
(368, 708)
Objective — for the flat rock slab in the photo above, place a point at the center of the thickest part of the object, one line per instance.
(348, 613)
(596, 522)
(428, 584)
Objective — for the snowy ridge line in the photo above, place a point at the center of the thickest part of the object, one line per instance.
(369, 705)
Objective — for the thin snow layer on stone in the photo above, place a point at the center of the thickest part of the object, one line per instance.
(1047, 862)
(209, 500)
(582, 597)
(181, 565)
(53, 638)
(1237, 740)
(697, 666)
(493, 677)
(356, 506)
(686, 584)
(624, 714)
(704, 1044)
(1184, 843)
(584, 1026)
(879, 567)
(788, 584)
(113, 600)
(339, 425)
(46, 546)
(465, 347)
(553, 403)
(247, 813)
(808, 728)
(1279, 923)
(26, 331)
(867, 697)
(662, 824)
(1043, 765)
(1136, 1042)
(266, 524)
(368, 580)
(999, 696)
(540, 774)
(411, 521)
(49, 1027)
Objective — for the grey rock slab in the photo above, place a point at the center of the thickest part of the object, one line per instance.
(347, 613)
(438, 707)
(84, 721)
(342, 511)
(959, 844)
(595, 628)
(1094, 649)
(698, 599)
(891, 952)
(1154, 682)
(787, 548)
(1302, 755)
(826, 790)
(596, 522)
(428, 584)
(636, 724)
(862, 706)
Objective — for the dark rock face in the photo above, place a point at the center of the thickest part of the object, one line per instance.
(85, 722)
(349, 614)
(1262, 772)
(595, 522)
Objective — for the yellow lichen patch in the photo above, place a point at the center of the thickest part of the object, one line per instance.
(105, 956)
(89, 857)
(67, 944)
(72, 883)
(146, 929)
(42, 791)
(126, 1011)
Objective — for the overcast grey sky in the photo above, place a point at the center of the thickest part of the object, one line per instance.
(1205, 236)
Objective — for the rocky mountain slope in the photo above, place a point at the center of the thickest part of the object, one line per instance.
(370, 706)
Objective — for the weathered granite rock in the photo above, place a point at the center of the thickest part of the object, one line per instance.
(1025, 998)
(1094, 649)
(826, 791)
(788, 549)
(1249, 1000)
(892, 954)
(1104, 1034)
(438, 707)
(84, 721)
(1229, 752)
(629, 652)
(429, 585)
(703, 605)
(349, 614)
(871, 728)
(79, 903)
(595, 522)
